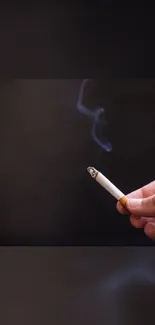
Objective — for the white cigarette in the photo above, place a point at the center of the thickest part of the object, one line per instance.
(110, 187)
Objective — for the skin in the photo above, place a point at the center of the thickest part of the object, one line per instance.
(141, 206)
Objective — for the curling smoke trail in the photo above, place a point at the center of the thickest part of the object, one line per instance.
(106, 295)
(138, 271)
(98, 117)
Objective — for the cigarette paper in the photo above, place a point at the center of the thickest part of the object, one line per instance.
(110, 187)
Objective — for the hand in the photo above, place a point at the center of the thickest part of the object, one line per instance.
(141, 206)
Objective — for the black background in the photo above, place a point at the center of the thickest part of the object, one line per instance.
(73, 41)
(47, 196)
(67, 42)
(76, 40)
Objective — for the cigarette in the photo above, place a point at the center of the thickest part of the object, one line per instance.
(110, 187)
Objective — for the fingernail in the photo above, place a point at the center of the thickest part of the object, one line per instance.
(134, 203)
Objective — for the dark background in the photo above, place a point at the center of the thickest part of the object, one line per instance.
(47, 196)
(76, 40)
(69, 42)
(75, 285)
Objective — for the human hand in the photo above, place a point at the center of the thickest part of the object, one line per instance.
(141, 206)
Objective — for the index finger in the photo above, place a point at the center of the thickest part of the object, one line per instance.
(144, 192)
(136, 195)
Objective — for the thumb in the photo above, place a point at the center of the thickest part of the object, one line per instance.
(142, 207)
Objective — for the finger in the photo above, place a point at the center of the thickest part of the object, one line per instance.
(121, 209)
(138, 222)
(135, 194)
(142, 207)
(144, 192)
(150, 229)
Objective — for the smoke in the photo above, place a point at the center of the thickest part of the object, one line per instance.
(139, 271)
(110, 286)
(98, 120)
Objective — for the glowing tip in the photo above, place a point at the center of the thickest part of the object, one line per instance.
(92, 171)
